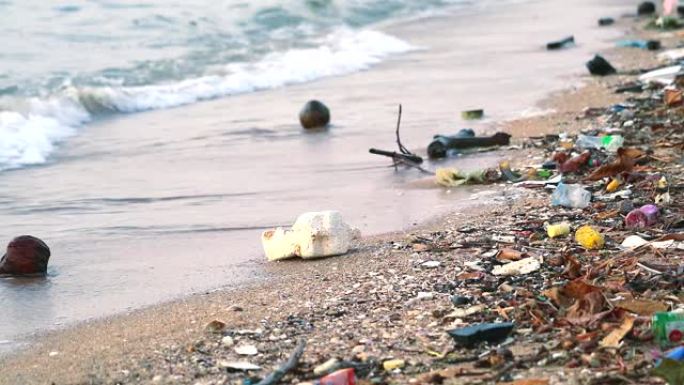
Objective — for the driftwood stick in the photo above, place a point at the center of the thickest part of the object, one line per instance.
(402, 149)
(397, 156)
(291, 363)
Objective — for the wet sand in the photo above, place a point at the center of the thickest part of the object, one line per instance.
(104, 349)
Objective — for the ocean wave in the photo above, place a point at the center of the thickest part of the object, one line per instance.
(28, 136)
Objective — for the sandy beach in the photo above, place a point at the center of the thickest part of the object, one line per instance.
(363, 304)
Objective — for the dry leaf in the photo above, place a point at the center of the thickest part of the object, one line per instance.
(577, 289)
(643, 307)
(672, 97)
(672, 237)
(557, 297)
(419, 247)
(471, 275)
(613, 339)
(590, 304)
(624, 163)
(509, 255)
(215, 326)
(573, 269)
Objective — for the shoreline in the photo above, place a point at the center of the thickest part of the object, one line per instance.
(121, 344)
(107, 350)
(157, 220)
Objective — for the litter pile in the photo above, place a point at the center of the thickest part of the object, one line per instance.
(577, 278)
(578, 281)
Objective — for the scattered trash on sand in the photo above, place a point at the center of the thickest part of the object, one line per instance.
(441, 144)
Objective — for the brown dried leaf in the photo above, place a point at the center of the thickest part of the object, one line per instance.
(470, 275)
(578, 289)
(557, 297)
(676, 237)
(509, 255)
(584, 309)
(642, 307)
(624, 163)
(573, 269)
(420, 247)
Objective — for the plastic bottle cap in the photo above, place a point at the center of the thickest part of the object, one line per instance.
(676, 336)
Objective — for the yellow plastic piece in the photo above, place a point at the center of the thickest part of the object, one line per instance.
(452, 177)
(558, 230)
(613, 185)
(662, 183)
(589, 238)
(390, 365)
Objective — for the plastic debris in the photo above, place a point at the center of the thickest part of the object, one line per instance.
(671, 56)
(571, 195)
(606, 21)
(558, 230)
(487, 332)
(563, 43)
(246, 350)
(633, 241)
(663, 76)
(589, 238)
(676, 354)
(390, 365)
(313, 235)
(651, 45)
(613, 185)
(668, 328)
(340, 377)
(472, 114)
(441, 144)
(600, 66)
(607, 142)
(521, 267)
(238, 365)
(451, 177)
(643, 217)
(326, 366)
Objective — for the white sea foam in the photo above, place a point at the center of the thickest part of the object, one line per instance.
(29, 137)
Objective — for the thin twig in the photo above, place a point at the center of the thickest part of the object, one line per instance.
(654, 271)
(402, 149)
(291, 363)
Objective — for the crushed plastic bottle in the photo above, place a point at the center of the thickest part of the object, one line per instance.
(571, 195)
(609, 143)
(668, 328)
